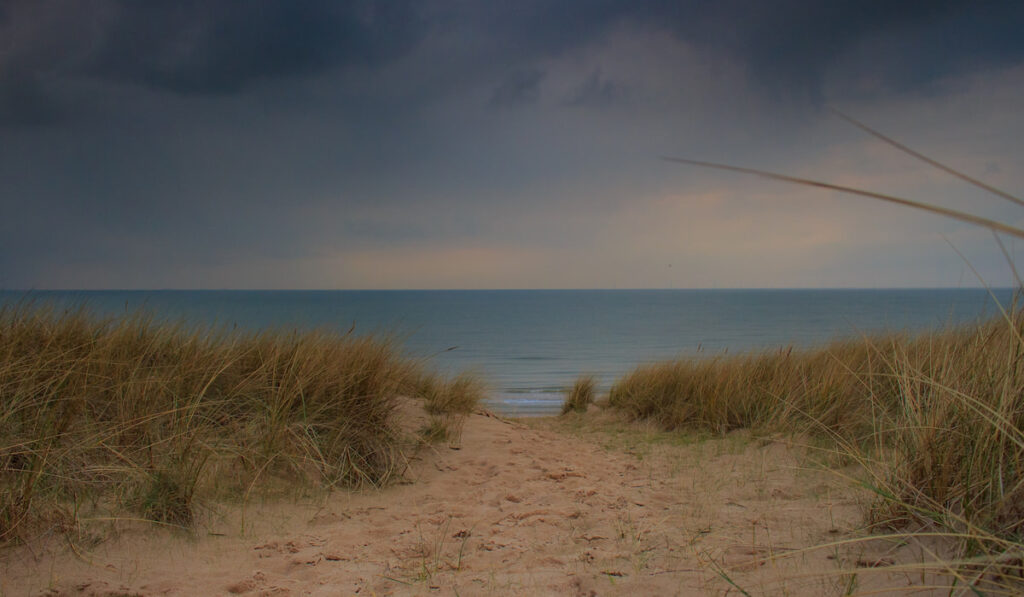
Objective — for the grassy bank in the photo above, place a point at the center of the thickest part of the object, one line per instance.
(133, 418)
(937, 421)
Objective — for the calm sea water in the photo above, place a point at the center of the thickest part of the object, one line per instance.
(531, 344)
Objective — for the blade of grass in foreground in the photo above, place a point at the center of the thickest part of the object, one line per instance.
(949, 213)
(928, 160)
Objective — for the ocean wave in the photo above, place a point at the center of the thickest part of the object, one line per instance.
(559, 390)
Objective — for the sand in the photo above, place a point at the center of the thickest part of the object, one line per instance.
(516, 509)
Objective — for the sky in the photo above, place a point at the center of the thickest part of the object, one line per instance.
(477, 144)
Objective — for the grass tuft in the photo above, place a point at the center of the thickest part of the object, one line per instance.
(581, 395)
(458, 395)
(130, 415)
(448, 402)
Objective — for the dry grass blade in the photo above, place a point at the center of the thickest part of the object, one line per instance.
(942, 211)
(928, 160)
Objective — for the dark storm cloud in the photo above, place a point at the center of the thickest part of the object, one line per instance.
(25, 101)
(223, 46)
(187, 46)
(785, 45)
(598, 91)
(792, 42)
(139, 135)
(203, 46)
(518, 87)
(789, 45)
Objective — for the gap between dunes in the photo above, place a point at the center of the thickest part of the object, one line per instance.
(545, 507)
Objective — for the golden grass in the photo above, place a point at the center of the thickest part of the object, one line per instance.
(581, 395)
(936, 421)
(458, 395)
(448, 402)
(131, 416)
(948, 407)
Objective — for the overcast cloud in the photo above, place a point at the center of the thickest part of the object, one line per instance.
(462, 144)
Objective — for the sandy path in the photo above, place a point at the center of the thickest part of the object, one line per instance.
(516, 510)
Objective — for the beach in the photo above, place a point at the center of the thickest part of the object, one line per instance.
(557, 507)
(482, 298)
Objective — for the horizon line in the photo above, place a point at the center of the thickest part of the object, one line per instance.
(692, 288)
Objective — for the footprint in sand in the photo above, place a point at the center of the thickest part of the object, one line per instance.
(248, 585)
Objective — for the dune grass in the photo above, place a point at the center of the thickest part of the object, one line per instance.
(934, 421)
(135, 418)
(945, 410)
(448, 401)
(580, 395)
(937, 421)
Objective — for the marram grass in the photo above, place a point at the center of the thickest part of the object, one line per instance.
(580, 395)
(945, 411)
(448, 401)
(936, 421)
(141, 419)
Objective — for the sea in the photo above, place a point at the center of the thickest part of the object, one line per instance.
(530, 345)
